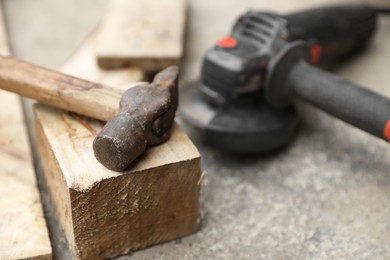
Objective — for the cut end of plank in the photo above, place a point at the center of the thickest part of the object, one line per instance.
(151, 64)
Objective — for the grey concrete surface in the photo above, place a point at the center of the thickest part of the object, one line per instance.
(326, 196)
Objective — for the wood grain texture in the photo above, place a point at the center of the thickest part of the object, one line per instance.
(83, 64)
(148, 34)
(23, 231)
(105, 213)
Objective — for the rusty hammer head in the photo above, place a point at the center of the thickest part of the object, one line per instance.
(145, 118)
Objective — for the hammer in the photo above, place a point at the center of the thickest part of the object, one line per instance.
(138, 117)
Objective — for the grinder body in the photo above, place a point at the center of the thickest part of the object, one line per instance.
(236, 70)
(233, 71)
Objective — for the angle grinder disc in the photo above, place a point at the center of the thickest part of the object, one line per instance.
(244, 129)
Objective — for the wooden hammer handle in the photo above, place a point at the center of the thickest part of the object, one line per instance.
(60, 90)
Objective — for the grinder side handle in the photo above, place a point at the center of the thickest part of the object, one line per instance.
(341, 98)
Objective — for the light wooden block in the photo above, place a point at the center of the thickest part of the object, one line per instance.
(148, 34)
(105, 213)
(23, 230)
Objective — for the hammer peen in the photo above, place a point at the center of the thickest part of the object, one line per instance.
(139, 117)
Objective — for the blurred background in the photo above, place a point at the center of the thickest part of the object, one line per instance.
(325, 196)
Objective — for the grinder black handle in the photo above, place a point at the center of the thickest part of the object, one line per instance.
(334, 32)
(356, 105)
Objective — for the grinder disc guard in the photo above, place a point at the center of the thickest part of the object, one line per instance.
(248, 128)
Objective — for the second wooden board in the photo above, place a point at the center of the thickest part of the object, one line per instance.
(148, 34)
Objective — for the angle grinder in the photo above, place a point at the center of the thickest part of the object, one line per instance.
(249, 79)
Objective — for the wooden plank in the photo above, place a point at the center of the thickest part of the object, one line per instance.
(23, 230)
(148, 34)
(105, 213)
(83, 64)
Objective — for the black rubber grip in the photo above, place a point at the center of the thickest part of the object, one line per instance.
(353, 104)
(340, 30)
